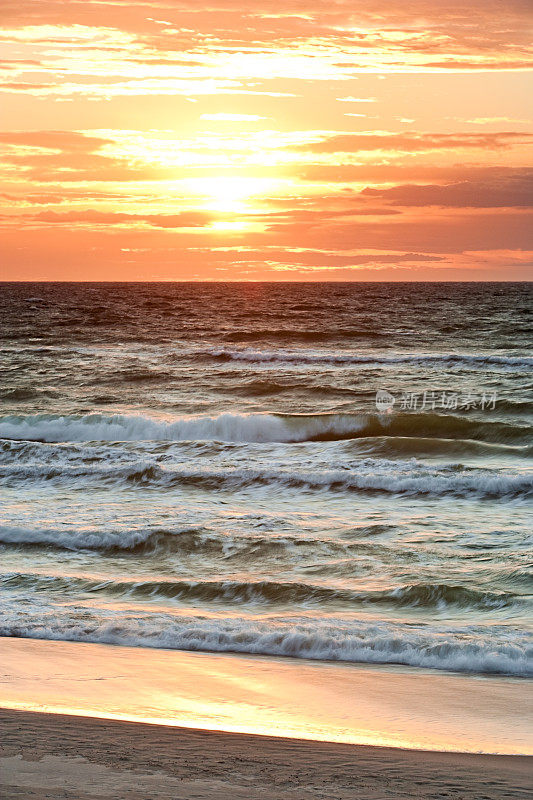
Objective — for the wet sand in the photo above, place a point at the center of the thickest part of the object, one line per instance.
(387, 706)
(56, 757)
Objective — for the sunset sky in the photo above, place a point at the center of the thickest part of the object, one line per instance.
(266, 140)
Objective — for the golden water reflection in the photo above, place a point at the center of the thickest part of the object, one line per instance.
(384, 706)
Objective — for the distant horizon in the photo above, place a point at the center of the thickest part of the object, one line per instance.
(294, 282)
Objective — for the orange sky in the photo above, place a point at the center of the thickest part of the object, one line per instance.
(266, 140)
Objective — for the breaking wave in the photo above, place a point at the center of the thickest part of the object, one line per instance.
(507, 651)
(369, 475)
(255, 427)
(128, 541)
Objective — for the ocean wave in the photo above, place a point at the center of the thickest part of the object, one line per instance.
(268, 592)
(368, 475)
(303, 357)
(257, 387)
(106, 541)
(191, 541)
(205, 543)
(224, 427)
(183, 541)
(420, 446)
(138, 375)
(290, 334)
(23, 393)
(255, 428)
(501, 650)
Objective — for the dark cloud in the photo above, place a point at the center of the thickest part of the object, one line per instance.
(512, 191)
(389, 173)
(460, 231)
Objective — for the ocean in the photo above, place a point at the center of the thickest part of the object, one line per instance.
(321, 471)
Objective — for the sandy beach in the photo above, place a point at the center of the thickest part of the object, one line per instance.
(75, 758)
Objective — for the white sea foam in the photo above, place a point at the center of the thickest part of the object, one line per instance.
(224, 427)
(468, 649)
(371, 475)
(79, 539)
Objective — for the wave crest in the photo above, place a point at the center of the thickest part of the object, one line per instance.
(306, 357)
(259, 427)
(471, 649)
(270, 592)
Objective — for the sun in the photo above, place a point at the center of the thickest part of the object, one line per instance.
(230, 194)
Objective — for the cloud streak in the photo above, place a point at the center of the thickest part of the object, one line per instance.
(508, 191)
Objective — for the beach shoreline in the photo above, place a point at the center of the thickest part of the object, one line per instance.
(357, 704)
(49, 756)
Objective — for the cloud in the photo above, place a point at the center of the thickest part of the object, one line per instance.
(413, 142)
(428, 233)
(388, 173)
(357, 99)
(71, 141)
(493, 120)
(70, 156)
(218, 47)
(150, 254)
(192, 219)
(515, 190)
